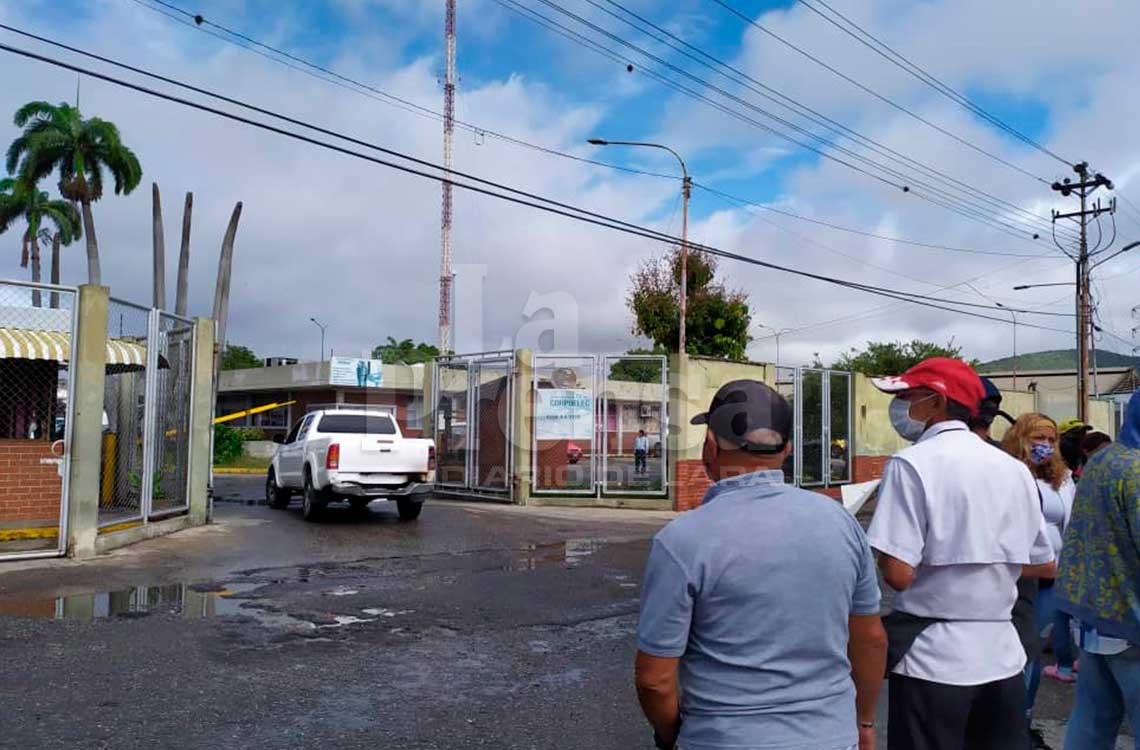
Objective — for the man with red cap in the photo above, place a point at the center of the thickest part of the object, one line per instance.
(956, 524)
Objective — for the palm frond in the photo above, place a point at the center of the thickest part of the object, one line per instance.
(34, 110)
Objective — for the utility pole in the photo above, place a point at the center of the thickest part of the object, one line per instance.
(1084, 188)
(445, 276)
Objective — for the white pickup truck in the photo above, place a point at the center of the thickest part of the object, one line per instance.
(352, 453)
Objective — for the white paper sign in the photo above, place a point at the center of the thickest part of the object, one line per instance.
(564, 414)
(358, 373)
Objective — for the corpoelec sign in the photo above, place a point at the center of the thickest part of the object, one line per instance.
(564, 414)
(360, 373)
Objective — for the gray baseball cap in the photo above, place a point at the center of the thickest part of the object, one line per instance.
(742, 407)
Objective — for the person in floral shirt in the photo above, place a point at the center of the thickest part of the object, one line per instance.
(1099, 585)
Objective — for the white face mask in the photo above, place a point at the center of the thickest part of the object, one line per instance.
(905, 425)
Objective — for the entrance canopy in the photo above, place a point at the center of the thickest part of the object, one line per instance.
(122, 355)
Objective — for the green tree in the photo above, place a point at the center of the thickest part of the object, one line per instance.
(236, 357)
(21, 201)
(718, 318)
(637, 370)
(406, 352)
(894, 357)
(58, 138)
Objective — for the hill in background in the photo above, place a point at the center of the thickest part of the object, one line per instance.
(1057, 359)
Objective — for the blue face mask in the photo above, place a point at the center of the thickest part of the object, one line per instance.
(1040, 453)
(905, 425)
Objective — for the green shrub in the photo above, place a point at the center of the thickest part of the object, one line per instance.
(251, 433)
(227, 445)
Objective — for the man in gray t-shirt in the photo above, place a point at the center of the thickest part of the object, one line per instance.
(763, 602)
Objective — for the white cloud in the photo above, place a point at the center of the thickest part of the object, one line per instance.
(357, 245)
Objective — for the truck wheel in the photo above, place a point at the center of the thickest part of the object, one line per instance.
(409, 509)
(275, 496)
(312, 504)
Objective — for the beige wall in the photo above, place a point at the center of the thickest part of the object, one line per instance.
(874, 435)
(308, 374)
(694, 381)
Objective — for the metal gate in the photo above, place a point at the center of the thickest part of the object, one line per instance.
(474, 418)
(823, 448)
(146, 415)
(600, 425)
(38, 323)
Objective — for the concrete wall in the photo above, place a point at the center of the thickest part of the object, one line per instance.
(693, 381)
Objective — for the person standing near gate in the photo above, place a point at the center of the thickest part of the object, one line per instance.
(763, 602)
(957, 522)
(640, 451)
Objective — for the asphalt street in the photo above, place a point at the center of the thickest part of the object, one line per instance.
(480, 625)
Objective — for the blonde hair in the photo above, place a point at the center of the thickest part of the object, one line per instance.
(1017, 444)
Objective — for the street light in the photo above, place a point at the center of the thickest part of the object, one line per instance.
(1021, 287)
(322, 327)
(686, 192)
(1013, 315)
(777, 332)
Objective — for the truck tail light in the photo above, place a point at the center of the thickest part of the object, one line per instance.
(431, 458)
(332, 459)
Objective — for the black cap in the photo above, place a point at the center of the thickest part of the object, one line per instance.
(743, 406)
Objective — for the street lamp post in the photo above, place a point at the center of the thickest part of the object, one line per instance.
(322, 327)
(686, 193)
(777, 333)
(1013, 316)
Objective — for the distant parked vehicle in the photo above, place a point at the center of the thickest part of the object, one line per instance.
(354, 454)
(573, 453)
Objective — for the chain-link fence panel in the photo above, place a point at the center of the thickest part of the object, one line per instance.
(634, 425)
(452, 436)
(491, 413)
(37, 324)
(124, 404)
(173, 396)
(564, 451)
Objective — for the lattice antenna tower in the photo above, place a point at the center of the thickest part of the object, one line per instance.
(445, 277)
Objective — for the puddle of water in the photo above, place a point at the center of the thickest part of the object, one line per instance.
(563, 554)
(188, 601)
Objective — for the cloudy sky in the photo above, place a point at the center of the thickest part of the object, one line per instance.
(357, 245)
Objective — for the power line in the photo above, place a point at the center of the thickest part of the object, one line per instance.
(873, 235)
(891, 55)
(966, 204)
(328, 75)
(719, 66)
(517, 197)
(877, 95)
(970, 212)
(414, 108)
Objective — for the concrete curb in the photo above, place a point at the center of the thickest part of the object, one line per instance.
(225, 470)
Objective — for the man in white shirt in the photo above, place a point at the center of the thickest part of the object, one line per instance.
(956, 524)
(640, 451)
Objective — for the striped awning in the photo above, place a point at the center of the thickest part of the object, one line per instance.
(18, 343)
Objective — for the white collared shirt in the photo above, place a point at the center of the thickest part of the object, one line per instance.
(967, 517)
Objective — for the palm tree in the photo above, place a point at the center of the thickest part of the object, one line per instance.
(58, 137)
(36, 208)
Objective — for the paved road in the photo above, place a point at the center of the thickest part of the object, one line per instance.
(477, 626)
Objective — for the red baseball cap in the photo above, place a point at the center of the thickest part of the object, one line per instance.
(953, 378)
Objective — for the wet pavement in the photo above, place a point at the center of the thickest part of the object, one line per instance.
(478, 626)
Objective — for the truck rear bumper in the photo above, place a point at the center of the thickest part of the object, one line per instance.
(413, 489)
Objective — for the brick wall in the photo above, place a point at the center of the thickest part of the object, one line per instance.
(691, 484)
(867, 468)
(29, 490)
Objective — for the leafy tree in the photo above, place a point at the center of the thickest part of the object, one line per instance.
(406, 352)
(894, 357)
(59, 138)
(21, 201)
(236, 357)
(637, 370)
(717, 319)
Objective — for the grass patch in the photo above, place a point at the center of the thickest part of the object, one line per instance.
(245, 462)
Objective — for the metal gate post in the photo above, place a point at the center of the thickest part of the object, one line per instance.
(150, 416)
(825, 438)
(798, 445)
